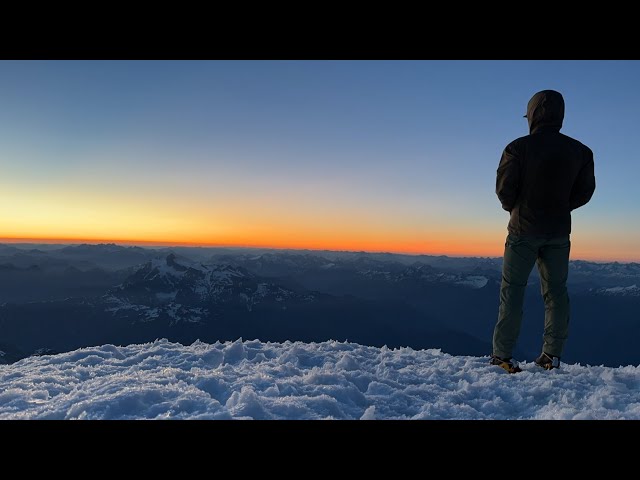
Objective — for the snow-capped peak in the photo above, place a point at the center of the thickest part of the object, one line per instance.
(182, 290)
(174, 265)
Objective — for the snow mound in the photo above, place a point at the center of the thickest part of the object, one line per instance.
(294, 380)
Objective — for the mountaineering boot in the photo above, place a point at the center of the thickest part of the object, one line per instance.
(547, 361)
(509, 364)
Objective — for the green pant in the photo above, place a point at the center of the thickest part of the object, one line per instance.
(552, 257)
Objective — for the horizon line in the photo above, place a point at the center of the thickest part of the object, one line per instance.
(149, 244)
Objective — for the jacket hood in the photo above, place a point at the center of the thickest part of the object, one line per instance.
(545, 110)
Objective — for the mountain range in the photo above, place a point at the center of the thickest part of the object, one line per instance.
(63, 298)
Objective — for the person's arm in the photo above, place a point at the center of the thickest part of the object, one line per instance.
(508, 178)
(585, 184)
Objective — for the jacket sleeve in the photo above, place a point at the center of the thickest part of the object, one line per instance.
(508, 178)
(585, 184)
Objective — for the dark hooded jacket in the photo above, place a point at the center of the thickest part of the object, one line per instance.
(544, 176)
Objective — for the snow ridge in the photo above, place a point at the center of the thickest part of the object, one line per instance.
(295, 380)
(631, 291)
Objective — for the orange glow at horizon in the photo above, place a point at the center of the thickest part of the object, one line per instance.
(47, 215)
(441, 247)
(425, 248)
(92, 217)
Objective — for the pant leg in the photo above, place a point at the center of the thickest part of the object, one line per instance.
(520, 255)
(553, 265)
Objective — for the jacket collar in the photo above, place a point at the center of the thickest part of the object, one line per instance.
(545, 128)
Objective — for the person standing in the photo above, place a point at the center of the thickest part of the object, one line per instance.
(541, 178)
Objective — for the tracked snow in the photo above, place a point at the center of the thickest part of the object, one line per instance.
(306, 381)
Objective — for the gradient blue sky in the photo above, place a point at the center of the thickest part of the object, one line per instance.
(359, 155)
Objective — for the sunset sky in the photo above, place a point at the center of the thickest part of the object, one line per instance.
(395, 156)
